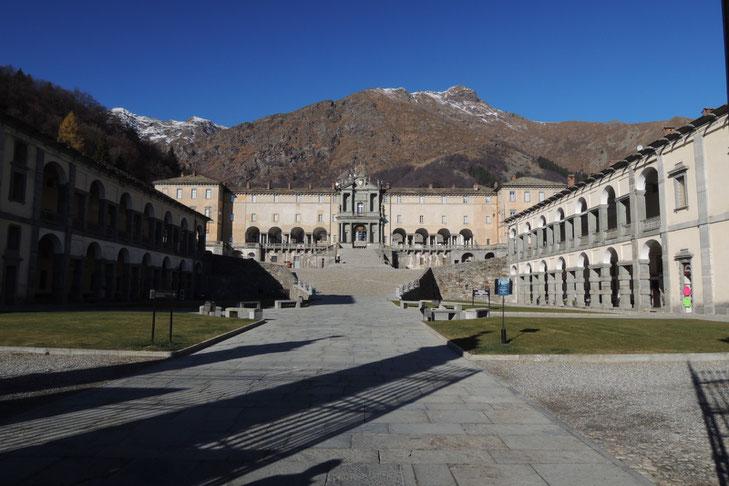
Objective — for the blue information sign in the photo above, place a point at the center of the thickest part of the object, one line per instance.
(502, 286)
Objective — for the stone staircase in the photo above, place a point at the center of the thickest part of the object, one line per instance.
(361, 258)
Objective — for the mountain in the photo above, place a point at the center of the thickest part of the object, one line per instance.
(407, 139)
(166, 133)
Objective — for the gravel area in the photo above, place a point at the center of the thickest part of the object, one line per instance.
(27, 380)
(658, 418)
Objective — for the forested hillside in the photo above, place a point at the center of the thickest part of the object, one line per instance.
(44, 105)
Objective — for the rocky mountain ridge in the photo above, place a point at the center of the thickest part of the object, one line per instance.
(407, 139)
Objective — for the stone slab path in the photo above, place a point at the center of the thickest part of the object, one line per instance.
(352, 391)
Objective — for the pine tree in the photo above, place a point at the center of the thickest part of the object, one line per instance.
(102, 150)
(69, 134)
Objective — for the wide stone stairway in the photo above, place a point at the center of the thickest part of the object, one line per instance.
(361, 272)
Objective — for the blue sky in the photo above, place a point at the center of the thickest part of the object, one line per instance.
(233, 62)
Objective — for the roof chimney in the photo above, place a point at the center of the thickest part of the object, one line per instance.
(248, 185)
(475, 187)
(570, 180)
(268, 185)
(706, 111)
(430, 186)
(387, 186)
(453, 186)
(289, 185)
(513, 177)
(310, 185)
(667, 130)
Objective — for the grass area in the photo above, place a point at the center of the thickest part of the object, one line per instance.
(183, 305)
(530, 335)
(496, 307)
(110, 329)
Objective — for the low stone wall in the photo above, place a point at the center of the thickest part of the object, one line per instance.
(431, 258)
(246, 279)
(457, 281)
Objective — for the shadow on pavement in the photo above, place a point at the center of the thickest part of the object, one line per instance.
(213, 435)
(712, 394)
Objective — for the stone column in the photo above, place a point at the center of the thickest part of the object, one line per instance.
(644, 286)
(591, 227)
(603, 221)
(522, 290)
(624, 285)
(621, 216)
(594, 286)
(605, 287)
(579, 281)
(538, 284)
(577, 221)
(555, 297)
(571, 294)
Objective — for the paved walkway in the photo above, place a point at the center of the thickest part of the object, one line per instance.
(352, 391)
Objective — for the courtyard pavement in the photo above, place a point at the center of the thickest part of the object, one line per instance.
(350, 391)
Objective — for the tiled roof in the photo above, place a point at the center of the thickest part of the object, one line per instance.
(188, 179)
(532, 181)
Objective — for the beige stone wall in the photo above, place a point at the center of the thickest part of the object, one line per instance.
(197, 197)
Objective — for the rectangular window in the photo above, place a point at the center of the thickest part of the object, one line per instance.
(512, 212)
(422, 218)
(443, 219)
(465, 220)
(207, 211)
(399, 199)
(253, 217)
(298, 198)
(399, 218)
(17, 187)
(321, 198)
(320, 217)
(541, 196)
(680, 185)
(253, 197)
(444, 199)
(384, 198)
(488, 241)
(465, 199)
(421, 199)
(527, 196)
(488, 219)
(298, 218)
(179, 193)
(512, 196)
(275, 198)
(488, 199)
(13, 238)
(208, 193)
(193, 193)
(275, 217)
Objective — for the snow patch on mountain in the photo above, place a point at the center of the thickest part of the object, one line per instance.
(165, 132)
(455, 100)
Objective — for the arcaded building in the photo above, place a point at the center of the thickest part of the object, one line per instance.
(417, 227)
(75, 230)
(649, 232)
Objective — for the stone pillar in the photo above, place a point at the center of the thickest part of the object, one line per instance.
(577, 221)
(603, 221)
(605, 287)
(522, 290)
(621, 216)
(591, 227)
(644, 286)
(538, 284)
(624, 285)
(579, 281)
(594, 286)
(571, 294)
(640, 200)
(555, 296)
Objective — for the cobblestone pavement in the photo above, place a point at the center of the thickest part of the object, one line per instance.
(649, 415)
(351, 391)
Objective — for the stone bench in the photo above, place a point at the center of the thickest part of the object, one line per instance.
(476, 313)
(244, 313)
(247, 303)
(404, 304)
(279, 304)
(442, 314)
(208, 310)
(457, 306)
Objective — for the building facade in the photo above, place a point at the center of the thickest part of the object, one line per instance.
(302, 226)
(74, 230)
(648, 232)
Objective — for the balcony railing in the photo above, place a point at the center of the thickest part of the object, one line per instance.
(651, 223)
(611, 233)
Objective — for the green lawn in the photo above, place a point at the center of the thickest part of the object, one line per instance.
(529, 335)
(110, 329)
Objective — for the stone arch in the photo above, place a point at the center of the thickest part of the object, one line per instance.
(467, 236)
(580, 206)
(561, 276)
(297, 235)
(467, 257)
(122, 275)
(608, 198)
(148, 223)
(559, 214)
(653, 253)
(610, 258)
(93, 281)
(253, 235)
(583, 262)
(420, 236)
(443, 236)
(274, 235)
(648, 182)
(543, 266)
(124, 220)
(95, 210)
(146, 275)
(49, 281)
(489, 255)
(54, 192)
(320, 235)
(542, 222)
(399, 236)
